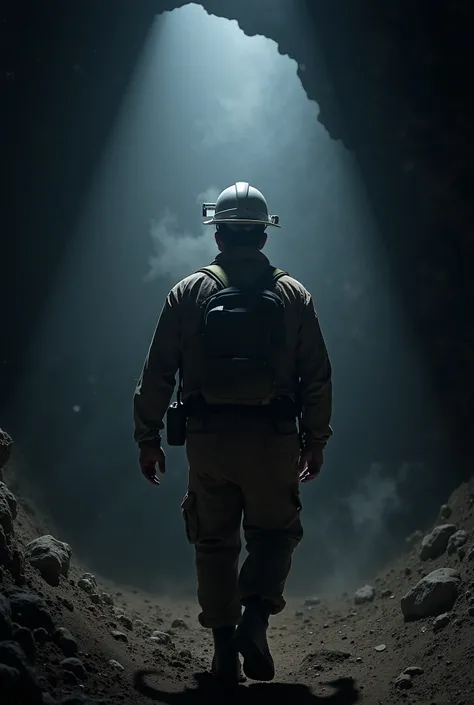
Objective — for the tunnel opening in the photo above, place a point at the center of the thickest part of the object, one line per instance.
(208, 105)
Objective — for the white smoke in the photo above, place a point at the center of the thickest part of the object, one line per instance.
(244, 98)
(178, 252)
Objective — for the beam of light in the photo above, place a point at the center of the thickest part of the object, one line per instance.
(209, 106)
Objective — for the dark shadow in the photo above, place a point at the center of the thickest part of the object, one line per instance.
(210, 692)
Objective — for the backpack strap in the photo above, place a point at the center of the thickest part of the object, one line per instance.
(270, 276)
(216, 272)
(278, 274)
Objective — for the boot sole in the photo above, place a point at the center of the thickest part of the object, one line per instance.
(256, 666)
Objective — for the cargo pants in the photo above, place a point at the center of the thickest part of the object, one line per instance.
(241, 469)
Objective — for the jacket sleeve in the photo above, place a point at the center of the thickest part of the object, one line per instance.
(158, 379)
(314, 370)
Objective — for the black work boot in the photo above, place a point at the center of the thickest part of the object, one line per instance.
(226, 662)
(251, 641)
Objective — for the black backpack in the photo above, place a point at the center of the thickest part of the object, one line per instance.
(243, 329)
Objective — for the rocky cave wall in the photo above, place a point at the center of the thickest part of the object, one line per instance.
(392, 82)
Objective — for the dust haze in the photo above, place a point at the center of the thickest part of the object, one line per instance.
(233, 110)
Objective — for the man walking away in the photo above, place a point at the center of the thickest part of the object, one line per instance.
(252, 361)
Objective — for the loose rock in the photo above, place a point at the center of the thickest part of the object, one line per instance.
(91, 578)
(441, 621)
(179, 624)
(126, 622)
(386, 593)
(116, 665)
(86, 585)
(66, 642)
(364, 594)
(435, 543)
(403, 681)
(107, 599)
(432, 595)
(413, 671)
(457, 541)
(445, 511)
(160, 638)
(50, 557)
(75, 665)
(119, 636)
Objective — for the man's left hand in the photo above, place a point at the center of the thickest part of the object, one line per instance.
(309, 466)
(150, 457)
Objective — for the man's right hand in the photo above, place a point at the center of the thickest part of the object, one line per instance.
(150, 457)
(310, 465)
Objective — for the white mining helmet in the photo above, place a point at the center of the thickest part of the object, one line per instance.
(240, 204)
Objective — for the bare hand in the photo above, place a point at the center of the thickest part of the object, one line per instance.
(309, 466)
(150, 457)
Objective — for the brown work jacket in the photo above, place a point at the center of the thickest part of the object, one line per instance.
(176, 341)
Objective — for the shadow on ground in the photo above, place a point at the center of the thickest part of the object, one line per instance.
(209, 692)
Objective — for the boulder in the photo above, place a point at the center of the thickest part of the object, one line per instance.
(456, 541)
(74, 665)
(29, 610)
(179, 624)
(364, 594)
(432, 595)
(12, 655)
(24, 637)
(50, 557)
(10, 684)
(64, 639)
(435, 543)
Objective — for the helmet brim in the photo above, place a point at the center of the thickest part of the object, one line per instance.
(240, 221)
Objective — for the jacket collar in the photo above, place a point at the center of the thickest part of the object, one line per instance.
(238, 254)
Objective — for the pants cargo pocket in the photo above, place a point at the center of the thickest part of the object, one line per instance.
(190, 516)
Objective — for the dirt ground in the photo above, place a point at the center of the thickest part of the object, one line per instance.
(325, 652)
